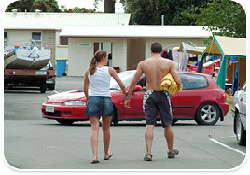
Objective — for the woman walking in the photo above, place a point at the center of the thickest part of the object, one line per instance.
(96, 89)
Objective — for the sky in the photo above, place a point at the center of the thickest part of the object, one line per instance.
(86, 4)
(79, 3)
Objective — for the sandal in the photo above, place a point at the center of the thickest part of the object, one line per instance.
(173, 153)
(95, 161)
(110, 155)
(148, 157)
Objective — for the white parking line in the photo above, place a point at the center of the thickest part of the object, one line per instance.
(226, 146)
(56, 91)
(227, 137)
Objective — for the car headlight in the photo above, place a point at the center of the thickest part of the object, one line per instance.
(75, 103)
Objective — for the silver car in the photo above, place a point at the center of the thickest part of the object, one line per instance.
(239, 114)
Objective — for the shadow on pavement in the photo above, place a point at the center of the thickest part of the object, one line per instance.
(80, 124)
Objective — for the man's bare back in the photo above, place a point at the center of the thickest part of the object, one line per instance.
(155, 69)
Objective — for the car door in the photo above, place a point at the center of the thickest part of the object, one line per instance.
(136, 106)
(186, 102)
(242, 104)
(136, 102)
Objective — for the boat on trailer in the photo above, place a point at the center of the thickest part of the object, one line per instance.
(26, 58)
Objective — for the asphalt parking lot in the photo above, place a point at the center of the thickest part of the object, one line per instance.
(32, 142)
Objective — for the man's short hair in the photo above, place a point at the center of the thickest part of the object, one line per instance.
(156, 48)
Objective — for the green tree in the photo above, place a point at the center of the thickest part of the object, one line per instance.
(226, 17)
(47, 5)
(31, 5)
(147, 12)
(21, 6)
(187, 16)
(79, 10)
(176, 12)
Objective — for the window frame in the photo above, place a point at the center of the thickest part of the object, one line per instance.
(140, 82)
(61, 41)
(195, 88)
(36, 41)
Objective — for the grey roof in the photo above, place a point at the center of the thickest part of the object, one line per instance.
(55, 21)
(131, 31)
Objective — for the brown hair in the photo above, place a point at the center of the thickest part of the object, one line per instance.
(156, 48)
(97, 58)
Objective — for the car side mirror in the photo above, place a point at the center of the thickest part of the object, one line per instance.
(137, 88)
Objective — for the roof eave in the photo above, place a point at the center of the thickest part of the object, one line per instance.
(131, 36)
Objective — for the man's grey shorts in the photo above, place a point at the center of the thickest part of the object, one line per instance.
(154, 102)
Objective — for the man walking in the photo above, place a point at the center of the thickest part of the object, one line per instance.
(155, 100)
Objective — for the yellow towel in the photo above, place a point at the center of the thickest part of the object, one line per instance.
(168, 83)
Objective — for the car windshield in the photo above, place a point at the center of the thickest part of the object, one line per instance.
(126, 78)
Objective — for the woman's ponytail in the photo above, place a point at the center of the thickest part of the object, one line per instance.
(92, 66)
(97, 58)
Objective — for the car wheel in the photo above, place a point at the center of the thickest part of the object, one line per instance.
(115, 117)
(174, 121)
(240, 132)
(43, 87)
(66, 122)
(207, 114)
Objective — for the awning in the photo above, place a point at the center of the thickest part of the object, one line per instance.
(227, 47)
(191, 49)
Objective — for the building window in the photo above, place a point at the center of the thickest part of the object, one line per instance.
(37, 39)
(64, 41)
(5, 39)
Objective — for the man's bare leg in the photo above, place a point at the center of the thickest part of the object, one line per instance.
(149, 135)
(169, 136)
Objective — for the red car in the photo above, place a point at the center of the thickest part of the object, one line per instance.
(201, 99)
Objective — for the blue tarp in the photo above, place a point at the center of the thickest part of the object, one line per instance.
(232, 60)
(196, 63)
(235, 84)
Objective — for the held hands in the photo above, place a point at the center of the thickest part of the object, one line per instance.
(127, 101)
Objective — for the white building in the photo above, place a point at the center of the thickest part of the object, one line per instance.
(77, 36)
(128, 44)
(21, 29)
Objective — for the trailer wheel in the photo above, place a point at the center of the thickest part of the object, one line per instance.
(51, 87)
(43, 87)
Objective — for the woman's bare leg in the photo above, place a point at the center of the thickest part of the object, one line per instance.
(94, 122)
(106, 134)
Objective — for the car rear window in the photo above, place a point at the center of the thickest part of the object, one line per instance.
(193, 81)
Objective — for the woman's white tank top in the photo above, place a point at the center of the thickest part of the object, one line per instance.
(100, 82)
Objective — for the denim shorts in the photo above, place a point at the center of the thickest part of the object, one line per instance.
(99, 106)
